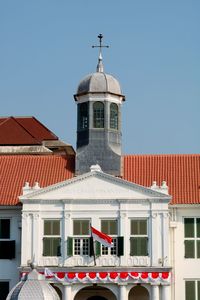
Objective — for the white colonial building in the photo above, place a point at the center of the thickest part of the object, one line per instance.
(56, 233)
(148, 204)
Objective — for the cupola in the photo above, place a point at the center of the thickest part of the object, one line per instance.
(99, 98)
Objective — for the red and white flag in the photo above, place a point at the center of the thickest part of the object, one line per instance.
(101, 237)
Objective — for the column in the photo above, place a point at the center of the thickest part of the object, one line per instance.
(25, 239)
(165, 238)
(122, 291)
(35, 237)
(123, 224)
(66, 233)
(166, 292)
(155, 292)
(67, 292)
(154, 238)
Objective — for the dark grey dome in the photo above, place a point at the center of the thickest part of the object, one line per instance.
(33, 287)
(99, 82)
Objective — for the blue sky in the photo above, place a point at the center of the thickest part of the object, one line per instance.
(154, 52)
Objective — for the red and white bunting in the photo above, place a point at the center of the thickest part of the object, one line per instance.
(141, 277)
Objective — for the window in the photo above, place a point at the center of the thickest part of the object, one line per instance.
(192, 290)
(98, 115)
(51, 240)
(192, 237)
(113, 116)
(139, 238)
(7, 247)
(109, 227)
(83, 120)
(4, 289)
(4, 228)
(81, 245)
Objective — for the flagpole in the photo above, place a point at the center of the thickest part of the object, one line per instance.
(93, 246)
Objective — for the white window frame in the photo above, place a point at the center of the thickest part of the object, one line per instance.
(110, 251)
(195, 238)
(140, 235)
(83, 240)
(196, 288)
(51, 236)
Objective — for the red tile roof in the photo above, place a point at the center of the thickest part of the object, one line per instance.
(181, 172)
(23, 131)
(15, 170)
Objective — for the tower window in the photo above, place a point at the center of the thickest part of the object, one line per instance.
(98, 115)
(83, 120)
(113, 116)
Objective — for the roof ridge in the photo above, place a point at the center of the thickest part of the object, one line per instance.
(6, 120)
(39, 142)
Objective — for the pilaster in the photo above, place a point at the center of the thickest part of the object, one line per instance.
(67, 292)
(155, 292)
(122, 291)
(165, 291)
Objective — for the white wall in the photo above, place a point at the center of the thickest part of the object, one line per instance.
(158, 228)
(184, 268)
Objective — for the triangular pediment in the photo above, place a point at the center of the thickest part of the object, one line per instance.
(94, 185)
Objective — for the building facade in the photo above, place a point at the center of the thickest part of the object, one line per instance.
(56, 233)
(148, 204)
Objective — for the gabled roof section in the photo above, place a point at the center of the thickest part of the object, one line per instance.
(180, 171)
(23, 131)
(95, 185)
(45, 169)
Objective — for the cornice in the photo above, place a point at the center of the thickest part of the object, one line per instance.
(121, 182)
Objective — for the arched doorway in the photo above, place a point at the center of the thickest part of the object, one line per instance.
(95, 292)
(138, 292)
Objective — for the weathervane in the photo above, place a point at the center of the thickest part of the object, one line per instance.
(100, 46)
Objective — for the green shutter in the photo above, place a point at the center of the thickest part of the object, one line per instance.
(189, 227)
(131, 246)
(120, 246)
(198, 289)
(139, 246)
(46, 246)
(97, 248)
(189, 290)
(189, 249)
(69, 246)
(144, 246)
(198, 227)
(58, 242)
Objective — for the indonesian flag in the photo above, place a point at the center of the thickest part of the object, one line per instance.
(101, 237)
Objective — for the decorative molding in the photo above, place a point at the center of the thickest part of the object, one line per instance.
(67, 215)
(100, 175)
(36, 216)
(154, 215)
(166, 215)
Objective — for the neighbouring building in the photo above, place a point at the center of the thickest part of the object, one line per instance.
(148, 204)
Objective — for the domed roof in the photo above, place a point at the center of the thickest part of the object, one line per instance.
(33, 287)
(99, 82)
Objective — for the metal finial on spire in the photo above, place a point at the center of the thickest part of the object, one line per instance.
(100, 46)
